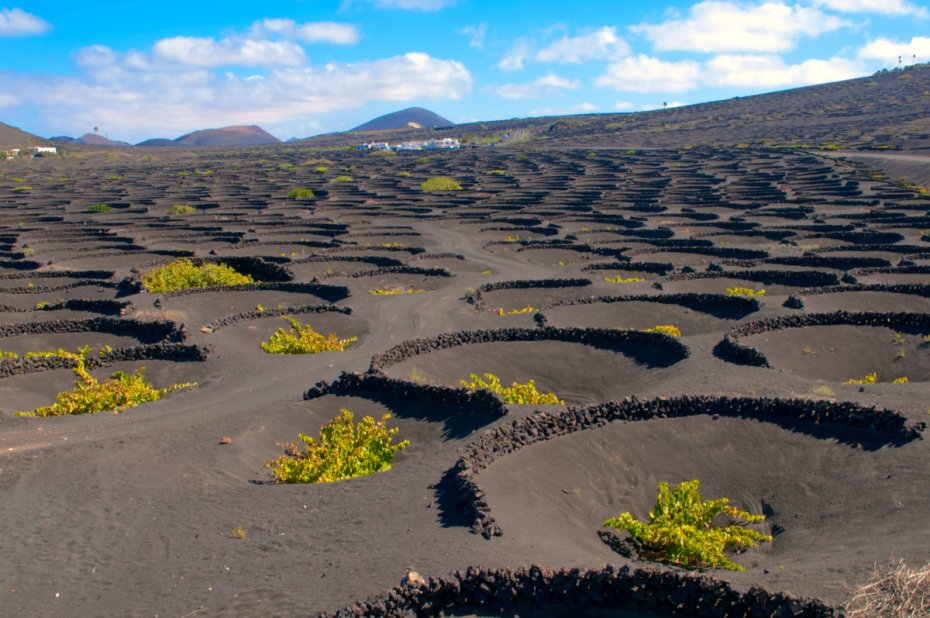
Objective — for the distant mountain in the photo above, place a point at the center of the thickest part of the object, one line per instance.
(92, 139)
(62, 138)
(410, 118)
(252, 135)
(157, 142)
(11, 137)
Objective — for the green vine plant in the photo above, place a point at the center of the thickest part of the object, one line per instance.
(681, 531)
(344, 450)
(516, 393)
(182, 274)
(302, 339)
(744, 292)
(120, 392)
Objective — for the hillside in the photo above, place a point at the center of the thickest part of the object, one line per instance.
(241, 135)
(885, 111)
(11, 137)
(410, 118)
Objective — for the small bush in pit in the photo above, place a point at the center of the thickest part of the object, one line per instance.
(665, 329)
(182, 274)
(339, 179)
(181, 210)
(745, 292)
(301, 193)
(344, 450)
(870, 378)
(517, 393)
(440, 183)
(620, 279)
(240, 533)
(527, 309)
(394, 291)
(4, 354)
(304, 340)
(99, 208)
(512, 238)
(120, 392)
(680, 529)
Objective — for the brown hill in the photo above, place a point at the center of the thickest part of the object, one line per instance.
(410, 118)
(93, 139)
(11, 137)
(252, 135)
(885, 111)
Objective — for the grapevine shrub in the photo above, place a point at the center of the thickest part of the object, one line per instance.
(182, 274)
(120, 392)
(304, 340)
(744, 292)
(517, 393)
(680, 529)
(344, 450)
(440, 183)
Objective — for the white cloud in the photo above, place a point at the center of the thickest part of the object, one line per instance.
(771, 71)
(17, 22)
(415, 5)
(888, 50)
(8, 100)
(624, 106)
(475, 34)
(95, 56)
(312, 32)
(546, 85)
(667, 104)
(517, 56)
(137, 103)
(647, 74)
(725, 26)
(883, 7)
(580, 108)
(600, 44)
(209, 52)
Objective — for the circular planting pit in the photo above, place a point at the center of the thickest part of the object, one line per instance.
(558, 476)
(249, 330)
(836, 347)
(693, 314)
(868, 300)
(25, 392)
(513, 296)
(578, 365)
(204, 305)
(98, 332)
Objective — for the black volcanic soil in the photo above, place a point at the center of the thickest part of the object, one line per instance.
(133, 514)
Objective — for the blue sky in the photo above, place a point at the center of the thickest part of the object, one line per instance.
(303, 67)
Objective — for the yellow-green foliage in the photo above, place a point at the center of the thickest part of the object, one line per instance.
(304, 340)
(99, 208)
(666, 329)
(872, 378)
(182, 274)
(7, 354)
(680, 529)
(394, 291)
(512, 238)
(181, 210)
(301, 193)
(527, 309)
(338, 179)
(620, 279)
(344, 450)
(120, 392)
(744, 292)
(497, 172)
(440, 183)
(516, 393)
